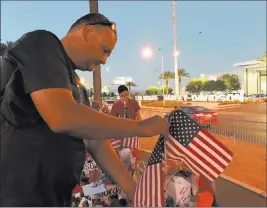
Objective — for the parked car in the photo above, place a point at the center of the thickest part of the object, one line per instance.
(204, 116)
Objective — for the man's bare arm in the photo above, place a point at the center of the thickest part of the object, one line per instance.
(58, 108)
(108, 161)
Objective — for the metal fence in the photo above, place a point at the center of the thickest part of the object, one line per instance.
(250, 131)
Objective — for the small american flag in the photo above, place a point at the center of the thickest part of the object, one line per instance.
(150, 191)
(131, 142)
(196, 147)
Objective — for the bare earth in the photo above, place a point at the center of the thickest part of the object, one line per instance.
(247, 166)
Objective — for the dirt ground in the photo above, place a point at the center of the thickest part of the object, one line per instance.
(248, 164)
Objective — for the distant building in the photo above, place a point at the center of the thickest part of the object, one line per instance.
(254, 76)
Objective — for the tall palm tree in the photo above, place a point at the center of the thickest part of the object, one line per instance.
(167, 75)
(5, 47)
(93, 5)
(182, 73)
(130, 84)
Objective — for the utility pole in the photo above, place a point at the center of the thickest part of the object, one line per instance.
(162, 71)
(93, 5)
(175, 52)
(162, 74)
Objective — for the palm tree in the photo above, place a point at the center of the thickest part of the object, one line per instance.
(5, 47)
(130, 84)
(167, 75)
(182, 73)
(93, 5)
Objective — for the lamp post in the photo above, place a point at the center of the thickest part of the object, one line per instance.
(175, 52)
(162, 72)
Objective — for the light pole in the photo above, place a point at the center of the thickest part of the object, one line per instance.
(175, 52)
(162, 72)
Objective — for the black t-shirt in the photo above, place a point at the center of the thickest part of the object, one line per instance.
(38, 167)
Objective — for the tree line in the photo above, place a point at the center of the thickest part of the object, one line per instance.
(226, 83)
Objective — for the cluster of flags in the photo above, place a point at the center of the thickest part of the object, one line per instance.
(187, 142)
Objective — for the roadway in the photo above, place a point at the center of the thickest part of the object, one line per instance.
(229, 194)
(245, 122)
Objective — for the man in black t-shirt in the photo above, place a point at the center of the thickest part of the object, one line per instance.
(44, 119)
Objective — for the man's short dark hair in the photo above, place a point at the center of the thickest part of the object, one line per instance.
(91, 18)
(122, 88)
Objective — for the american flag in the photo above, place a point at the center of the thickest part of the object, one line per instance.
(150, 191)
(196, 147)
(131, 142)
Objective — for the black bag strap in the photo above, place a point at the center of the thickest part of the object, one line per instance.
(2, 94)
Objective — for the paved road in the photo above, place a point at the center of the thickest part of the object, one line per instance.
(229, 194)
(247, 122)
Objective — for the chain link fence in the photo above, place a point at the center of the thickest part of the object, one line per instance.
(250, 131)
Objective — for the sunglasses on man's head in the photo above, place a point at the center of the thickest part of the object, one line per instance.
(112, 25)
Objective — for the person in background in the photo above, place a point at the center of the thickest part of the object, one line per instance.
(126, 107)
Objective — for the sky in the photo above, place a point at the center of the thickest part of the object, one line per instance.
(232, 31)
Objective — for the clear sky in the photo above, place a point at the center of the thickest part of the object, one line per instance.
(232, 31)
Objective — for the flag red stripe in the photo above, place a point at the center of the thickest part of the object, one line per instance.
(184, 151)
(173, 155)
(204, 160)
(211, 137)
(214, 149)
(149, 192)
(161, 188)
(195, 167)
(202, 149)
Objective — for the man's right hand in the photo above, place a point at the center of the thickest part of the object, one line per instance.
(154, 126)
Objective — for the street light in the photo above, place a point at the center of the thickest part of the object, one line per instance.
(147, 53)
(176, 53)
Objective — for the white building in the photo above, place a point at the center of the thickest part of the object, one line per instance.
(253, 76)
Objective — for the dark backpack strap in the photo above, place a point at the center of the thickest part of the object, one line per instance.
(2, 95)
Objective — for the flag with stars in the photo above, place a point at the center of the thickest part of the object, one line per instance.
(196, 147)
(150, 191)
